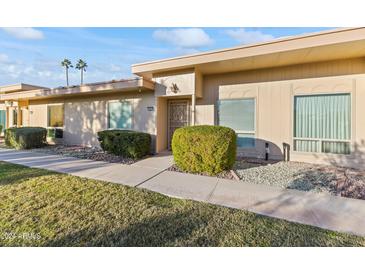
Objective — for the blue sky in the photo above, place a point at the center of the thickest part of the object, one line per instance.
(33, 55)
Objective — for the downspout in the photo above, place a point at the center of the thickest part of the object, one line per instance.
(19, 116)
(193, 101)
(193, 109)
(7, 117)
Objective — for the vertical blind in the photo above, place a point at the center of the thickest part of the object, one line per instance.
(239, 114)
(322, 123)
(120, 115)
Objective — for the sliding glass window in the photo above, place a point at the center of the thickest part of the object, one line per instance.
(239, 114)
(55, 115)
(322, 123)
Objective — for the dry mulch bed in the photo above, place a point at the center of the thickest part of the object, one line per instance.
(83, 152)
(338, 181)
(350, 183)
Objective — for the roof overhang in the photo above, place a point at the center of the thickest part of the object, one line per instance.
(316, 47)
(18, 87)
(137, 84)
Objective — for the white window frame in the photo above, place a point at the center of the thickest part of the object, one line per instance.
(131, 102)
(48, 118)
(243, 131)
(320, 141)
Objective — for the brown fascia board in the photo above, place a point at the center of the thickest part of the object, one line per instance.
(19, 87)
(134, 84)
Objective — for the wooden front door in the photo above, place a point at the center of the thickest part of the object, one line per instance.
(178, 117)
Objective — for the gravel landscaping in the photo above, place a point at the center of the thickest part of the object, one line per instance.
(82, 152)
(303, 176)
(336, 181)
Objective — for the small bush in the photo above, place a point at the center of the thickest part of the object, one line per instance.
(207, 149)
(126, 143)
(25, 137)
(1, 128)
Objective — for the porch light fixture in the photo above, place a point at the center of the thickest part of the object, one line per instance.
(174, 88)
(9, 103)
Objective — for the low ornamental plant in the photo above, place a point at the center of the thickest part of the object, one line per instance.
(25, 137)
(204, 149)
(126, 143)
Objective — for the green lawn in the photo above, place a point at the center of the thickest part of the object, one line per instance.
(41, 208)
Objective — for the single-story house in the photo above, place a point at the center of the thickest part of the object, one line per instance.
(301, 98)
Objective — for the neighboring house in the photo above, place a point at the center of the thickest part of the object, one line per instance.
(79, 112)
(305, 93)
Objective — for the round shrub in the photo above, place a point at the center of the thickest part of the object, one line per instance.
(204, 149)
(25, 137)
(126, 143)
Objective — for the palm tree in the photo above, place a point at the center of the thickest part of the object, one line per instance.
(81, 65)
(67, 64)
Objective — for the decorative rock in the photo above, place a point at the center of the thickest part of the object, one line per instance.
(303, 176)
(83, 152)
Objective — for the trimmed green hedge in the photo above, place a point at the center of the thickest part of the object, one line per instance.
(207, 149)
(25, 137)
(126, 143)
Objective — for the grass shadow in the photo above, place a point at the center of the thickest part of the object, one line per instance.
(314, 179)
(337, 181)
(166, 230)
(13, 174)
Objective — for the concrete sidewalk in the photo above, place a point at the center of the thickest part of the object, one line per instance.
(130, 175)
(322, 210)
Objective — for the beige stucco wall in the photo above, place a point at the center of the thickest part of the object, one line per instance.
(10, 116)
(84, 117)
(184, 81)
(25, 116)
(161, 123)
(38, 114)
(274, 90)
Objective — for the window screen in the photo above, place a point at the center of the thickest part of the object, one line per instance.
(239, 114)
(120, 115)
(55, 116)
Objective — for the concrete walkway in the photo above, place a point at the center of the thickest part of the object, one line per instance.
(131, 175)
(322, 210)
